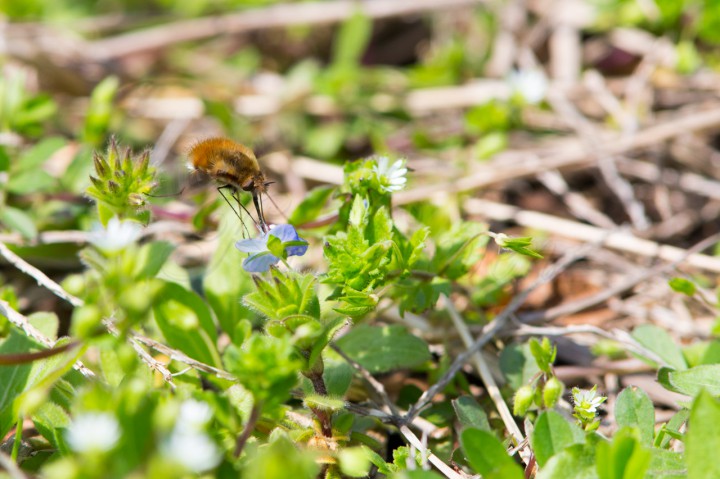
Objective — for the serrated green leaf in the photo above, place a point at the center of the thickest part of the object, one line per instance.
(382, 349)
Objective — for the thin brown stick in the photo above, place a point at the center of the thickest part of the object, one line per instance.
(619, 240)
(446, 470)
(38, 275)
(493, 327)
(376, 385)
(10, 359)
(487, 378)
(22, 322)
(573, 155)
(590, 301)
(276, 16)
(247, 430)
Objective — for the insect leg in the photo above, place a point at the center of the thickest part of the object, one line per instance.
(237, 212)
(257, 225)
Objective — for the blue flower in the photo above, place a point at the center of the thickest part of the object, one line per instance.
(282, 241)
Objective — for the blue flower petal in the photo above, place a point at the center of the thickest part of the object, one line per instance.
(253, 245)
(259, 263)
(285, 233)
(296, 250)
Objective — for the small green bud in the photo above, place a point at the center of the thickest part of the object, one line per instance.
(136, 200)
(142, 166)
(552, 391)
(97, 183)
(112, 186)
(101, 167)
(86, 321)
(74, 284)
(523, 400)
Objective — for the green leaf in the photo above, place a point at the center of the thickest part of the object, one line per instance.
(624, 457)
(17, 220)
(635, 409)
(100, 110)
(383, 349)
(266, 366)
(682, 285)
(518, 365)
(14, 379)
(40, 153)
(544, 353)
(672, 428)
(30, 181)
(693, 380)
(488, 456)
(703, 441)
(275, 246)
(223, 286)
(325, 141)
(45, 322)
(666, 465)
(311, 206)
(659, 341)
(186, 323)
(50, 420)
(287, 294)
(459, 249)
(150, 259)
(470, 414)
(519, 245)
(552, 434)
(352, 40)
(577, 461)
(4, 159)
(337, 373)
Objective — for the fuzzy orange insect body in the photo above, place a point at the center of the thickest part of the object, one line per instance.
(234, 166)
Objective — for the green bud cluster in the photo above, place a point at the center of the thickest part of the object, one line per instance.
(121, 183)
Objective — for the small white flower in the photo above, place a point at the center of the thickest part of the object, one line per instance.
(194, 416)
(118, 235)
(93, 432)
(194, 450)
(531, 85)
(587, 400)
(391, 176)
